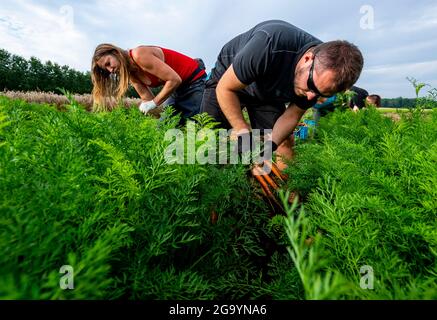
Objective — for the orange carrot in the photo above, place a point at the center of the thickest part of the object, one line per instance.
(263, 183)
(270, 181)
(277, 172)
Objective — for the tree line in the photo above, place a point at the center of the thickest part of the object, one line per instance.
(20, 74)
(398, 103)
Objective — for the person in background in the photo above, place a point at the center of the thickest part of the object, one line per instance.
(357, 101)
(374, 99)
(327, 105)
(146, 67)
(323, 107)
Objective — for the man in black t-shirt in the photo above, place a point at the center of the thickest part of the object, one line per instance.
(357, 102)
(270, 66)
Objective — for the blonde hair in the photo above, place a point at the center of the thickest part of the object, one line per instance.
(109, 89)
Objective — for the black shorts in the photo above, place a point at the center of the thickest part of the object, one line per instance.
(261, 115)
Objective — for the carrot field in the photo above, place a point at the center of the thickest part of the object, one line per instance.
(92, 191)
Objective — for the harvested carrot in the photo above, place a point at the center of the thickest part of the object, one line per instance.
(263, 183)
(277, 172)
(264, 186)
(270, 181)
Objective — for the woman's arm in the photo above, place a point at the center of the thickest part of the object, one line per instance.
(147, 58)
(143, 91)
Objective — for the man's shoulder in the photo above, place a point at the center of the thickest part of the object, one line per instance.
(285, 36)
(359, 91)
(275, 24)
(282, 27)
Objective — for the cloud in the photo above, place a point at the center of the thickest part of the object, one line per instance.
(31, 30)
(425, 21)
(400, 45)
(420, 68)
(391, 81)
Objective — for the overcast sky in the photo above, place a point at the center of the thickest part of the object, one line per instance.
(398, 38)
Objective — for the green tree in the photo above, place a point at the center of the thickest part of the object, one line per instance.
(5, 69)
(36, 74)
(19, 68)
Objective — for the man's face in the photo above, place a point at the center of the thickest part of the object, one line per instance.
(310, 81)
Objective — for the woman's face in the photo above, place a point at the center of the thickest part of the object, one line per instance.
(109, 63)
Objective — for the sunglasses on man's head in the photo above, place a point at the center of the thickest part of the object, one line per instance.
(311, 85)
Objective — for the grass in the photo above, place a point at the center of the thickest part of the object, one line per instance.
(401, 110)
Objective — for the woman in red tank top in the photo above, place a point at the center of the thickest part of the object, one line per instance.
(145, 67)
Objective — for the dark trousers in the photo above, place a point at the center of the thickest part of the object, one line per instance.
(262, 115)
(187, 98)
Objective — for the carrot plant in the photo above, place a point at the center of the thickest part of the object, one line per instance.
(369, 186)
(92, 191)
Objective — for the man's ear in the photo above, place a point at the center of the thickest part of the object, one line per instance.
(308, 56)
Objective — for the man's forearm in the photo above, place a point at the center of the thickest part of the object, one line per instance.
(286, 123)
(231, 107)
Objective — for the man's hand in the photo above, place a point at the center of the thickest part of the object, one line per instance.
(268, 149)
(245, 143)
(145, 107)
(266, 153)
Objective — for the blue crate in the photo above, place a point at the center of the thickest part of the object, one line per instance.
(310, 123)
(301, 132)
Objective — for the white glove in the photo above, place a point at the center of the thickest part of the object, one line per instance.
(146, 106)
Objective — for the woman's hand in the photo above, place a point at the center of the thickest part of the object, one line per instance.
(146, 106)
